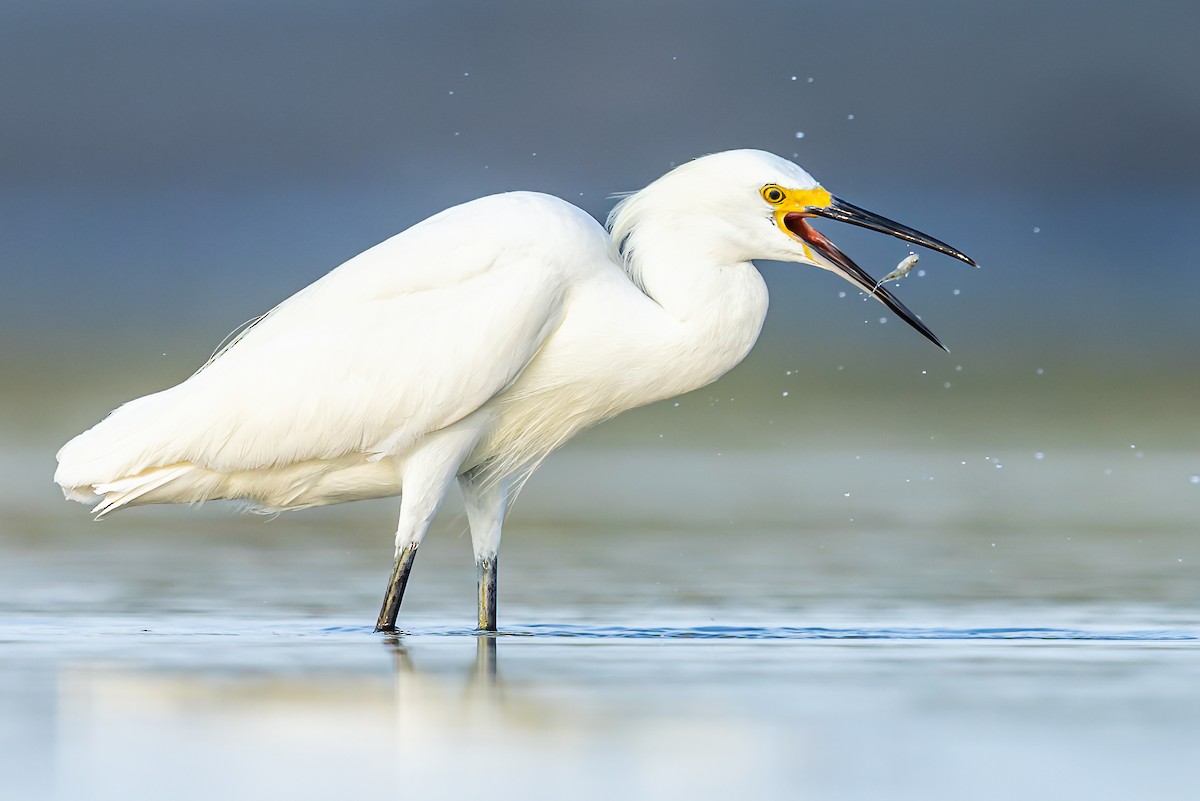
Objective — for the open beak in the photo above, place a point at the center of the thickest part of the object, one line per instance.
(841, 264)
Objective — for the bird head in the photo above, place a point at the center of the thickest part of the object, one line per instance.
(749, 204)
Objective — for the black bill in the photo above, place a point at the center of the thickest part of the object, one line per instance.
(845, 266)
(845, 212)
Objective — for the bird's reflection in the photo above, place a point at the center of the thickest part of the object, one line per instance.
(483, 672)
(426, 705)
(485, 659)
(432, 705)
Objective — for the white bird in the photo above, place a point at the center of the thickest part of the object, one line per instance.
(471, 346)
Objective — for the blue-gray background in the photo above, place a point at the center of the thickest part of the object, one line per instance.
(169, 170)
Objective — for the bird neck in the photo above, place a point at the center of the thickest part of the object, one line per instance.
(714, 307)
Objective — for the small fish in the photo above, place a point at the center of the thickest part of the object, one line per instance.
(902, 269)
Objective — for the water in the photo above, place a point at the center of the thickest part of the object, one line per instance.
(992, 633)
(765, 602)
(240, 708)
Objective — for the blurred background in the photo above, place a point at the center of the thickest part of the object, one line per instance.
(171, 169)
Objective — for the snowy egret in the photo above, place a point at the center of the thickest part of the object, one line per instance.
(471, 346)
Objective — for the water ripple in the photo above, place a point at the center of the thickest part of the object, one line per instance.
(820, 633)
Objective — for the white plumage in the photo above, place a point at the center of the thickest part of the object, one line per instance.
(403, 340)
(470, 346)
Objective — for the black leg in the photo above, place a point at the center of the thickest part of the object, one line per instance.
(487, 592)
(395, 590)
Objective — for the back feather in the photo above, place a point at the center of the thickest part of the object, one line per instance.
(404, 339)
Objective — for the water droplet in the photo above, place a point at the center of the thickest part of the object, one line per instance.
(883, 321)
(957, 292)
(920, 273)
(999, 466)
(841, 294)
(1194, 479)
(845, 495)
(1039, 456)
(793, 77)
(946, 385)
(810, 80)
(799, 134)
(785, 394)
(1040, 371)
(1037, 230)
(849, 116)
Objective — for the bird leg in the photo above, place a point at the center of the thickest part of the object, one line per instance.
(428, 473)
(395, 590)
(484, 500)
(486, 567)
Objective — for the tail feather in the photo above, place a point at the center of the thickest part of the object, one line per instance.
(125, 491)
(124, 444)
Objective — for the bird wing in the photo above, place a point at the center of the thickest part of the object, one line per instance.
(404, 339)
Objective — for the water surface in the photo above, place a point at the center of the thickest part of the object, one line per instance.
(802, 623)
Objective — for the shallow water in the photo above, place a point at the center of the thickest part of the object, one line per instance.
(238, 708)
(947, 630)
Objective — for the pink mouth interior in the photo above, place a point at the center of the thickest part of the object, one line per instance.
(796, 224)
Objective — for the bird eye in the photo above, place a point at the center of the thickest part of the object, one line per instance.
(773, 194)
